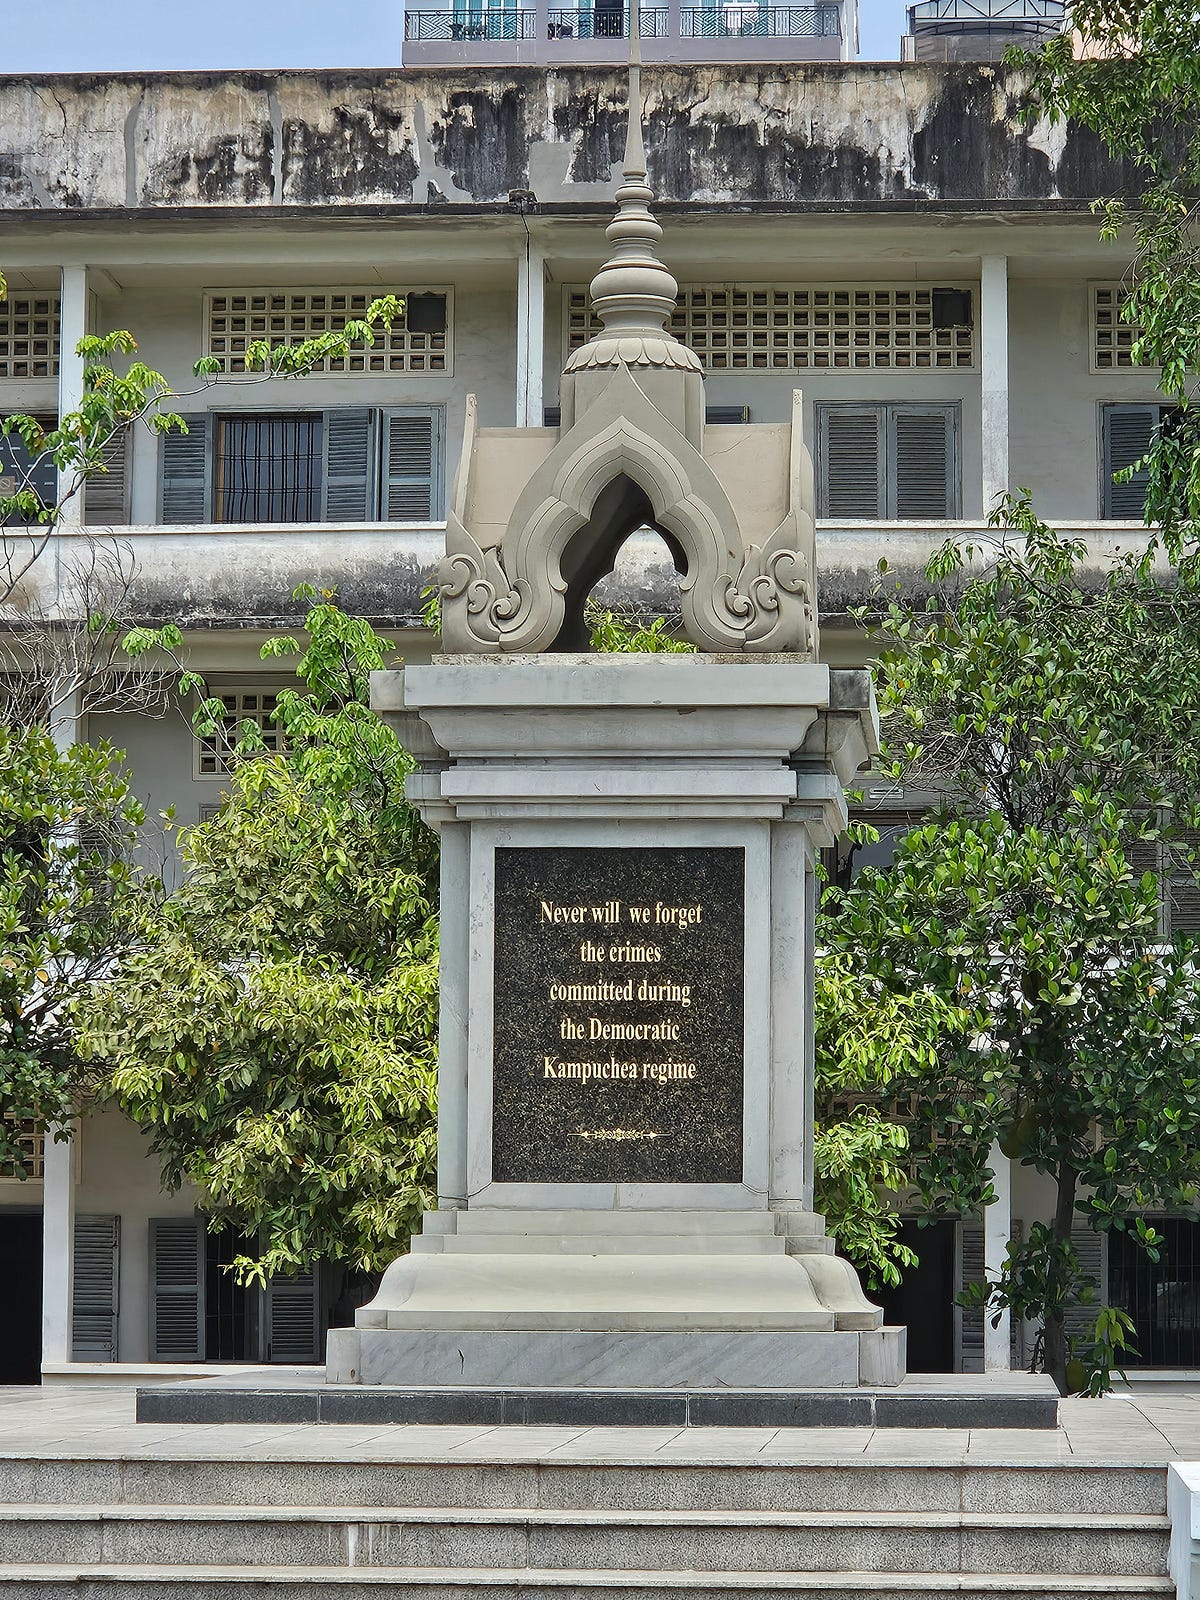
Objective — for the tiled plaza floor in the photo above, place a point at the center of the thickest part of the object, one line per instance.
(1140, 1427)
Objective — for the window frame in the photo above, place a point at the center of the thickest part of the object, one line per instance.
(887, 410)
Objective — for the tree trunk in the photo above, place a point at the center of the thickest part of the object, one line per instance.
(1055, 1335)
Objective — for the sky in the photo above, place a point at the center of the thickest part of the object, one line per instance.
(138, 35)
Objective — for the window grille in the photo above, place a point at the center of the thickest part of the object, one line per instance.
(268, 468)
(781, 328)
(215, 750)
(1113, 338)
(31, 1140)
(417, 341)
(29, 345)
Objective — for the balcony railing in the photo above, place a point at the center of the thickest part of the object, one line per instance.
(987, 16)
(722, 21)
(469, 24)
(763, 22)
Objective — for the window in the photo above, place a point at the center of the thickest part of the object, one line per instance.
(15, 473)
(888, 461)
(1127, 432)
(214, 751)
(346, 464)
(784, 328)
(418, 341)
(29, 336)
(1163, 1296)
(31, 1140)
(199, 1313)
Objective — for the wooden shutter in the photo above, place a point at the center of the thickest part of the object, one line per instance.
(970, 1270)
(105, 502)
(293, 1331)
(185, 472)
(922, 463)
(850, 461)
(95, 1295)
(349, 475)
(14, 464)
(1080, 1319)
(1180, 883)
(177, 1289)
(1128, 432)
(412, 464)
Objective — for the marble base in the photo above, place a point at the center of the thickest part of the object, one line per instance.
(657, 1360)
(660, 1299)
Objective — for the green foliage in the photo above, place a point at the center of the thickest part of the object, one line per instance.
(867, 1036)
(69, 899)
(277, 1033)
(1054, 714)
(611, 634)
(1137, 85)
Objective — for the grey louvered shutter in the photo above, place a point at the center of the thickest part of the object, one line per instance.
(95, 1293)
(1182, 857)
(177, 1289)
(412, 464)
(1080, 1319)
(293, 1318)
(185, 472)
(105, 503)
(14, 465)
(850, 457)
(349, 471)
(922, 463)
(970, 1271)
(1128, 432)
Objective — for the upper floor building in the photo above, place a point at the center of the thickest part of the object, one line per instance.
(482, 33)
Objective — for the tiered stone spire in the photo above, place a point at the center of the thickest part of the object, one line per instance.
(633, 294)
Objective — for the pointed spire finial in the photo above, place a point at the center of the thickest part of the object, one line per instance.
(634, 294)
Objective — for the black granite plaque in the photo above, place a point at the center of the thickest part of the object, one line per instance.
(618, 1007)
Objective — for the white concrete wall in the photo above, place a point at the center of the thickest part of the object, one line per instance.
(1055, 399)
(118, 1175)
(169, 327)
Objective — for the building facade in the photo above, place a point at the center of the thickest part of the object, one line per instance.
(889, 240)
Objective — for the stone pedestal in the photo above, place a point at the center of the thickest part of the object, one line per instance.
(625, 1084)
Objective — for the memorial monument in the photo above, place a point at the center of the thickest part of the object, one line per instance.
(628, 892)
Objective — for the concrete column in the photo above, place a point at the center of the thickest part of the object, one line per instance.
(531, 329)
(58, 1247)
(993, 369)
(74, 324)
(792, 898)
(997, 1230)
(452, 1019)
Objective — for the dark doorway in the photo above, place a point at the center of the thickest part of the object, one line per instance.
(1163, 1296)
(21, 1271)
(230, 1309)
(924, 1299)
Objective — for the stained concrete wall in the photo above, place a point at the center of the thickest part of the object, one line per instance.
(839, 133)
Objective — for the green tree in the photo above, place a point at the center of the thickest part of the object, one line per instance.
(1054, 712)
(69, 903)
(1136, 83)
(276, 1034)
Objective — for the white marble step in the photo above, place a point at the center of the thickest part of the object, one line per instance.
(600, 1540)
(63, 1581)
(706, 1483)
(613, 1244)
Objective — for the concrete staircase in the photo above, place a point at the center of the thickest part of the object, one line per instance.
(140, 1529)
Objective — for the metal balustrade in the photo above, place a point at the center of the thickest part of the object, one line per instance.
(470, 24)
(732, 21)
(728, 20)
(605, 22)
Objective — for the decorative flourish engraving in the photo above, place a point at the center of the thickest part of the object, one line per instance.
(617, 1135)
